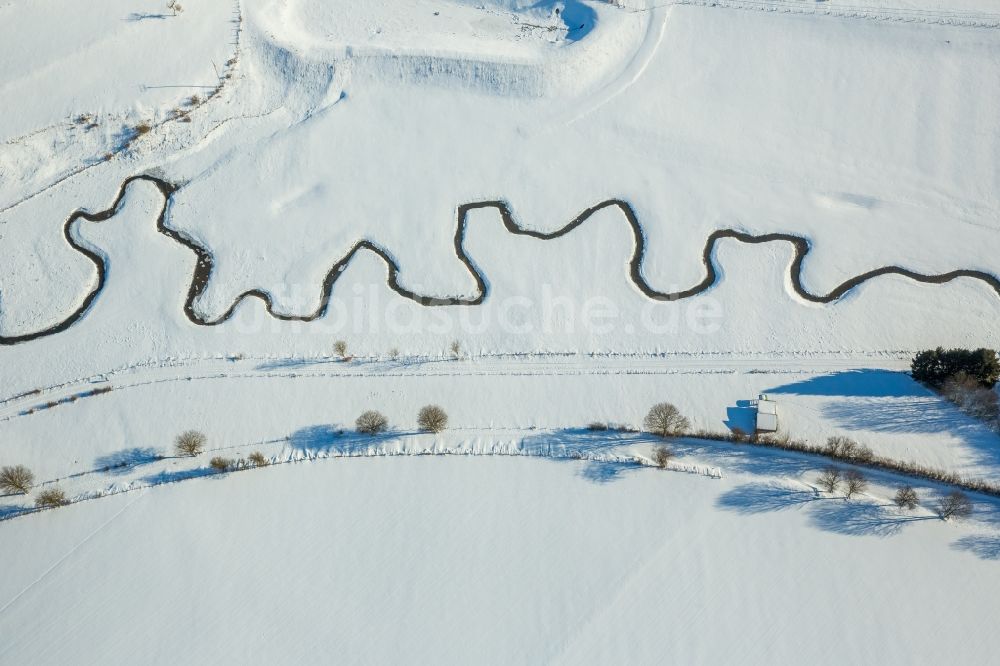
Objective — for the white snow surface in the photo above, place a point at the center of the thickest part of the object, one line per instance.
(325, 132)
(492, 561)
(293, 129)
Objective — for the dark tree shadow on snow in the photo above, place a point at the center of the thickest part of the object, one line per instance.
(122, 462)
(179, 475)
(326, 439)
(754, 498)
(929, 415)
(142, 16)
(575, 442)
(13, 510)
(983, 546)
(830, 514)
(385, 364)
(599, 471)
(746, 459)
(859, 518)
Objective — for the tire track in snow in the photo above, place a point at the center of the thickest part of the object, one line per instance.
(205, 263)
(65, 557)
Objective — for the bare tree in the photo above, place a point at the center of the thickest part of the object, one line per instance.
(50, 498)
(16, 479)
(864, 454)
(175, 7)
(220, 464)
(257, 459)
(906, 498)
(856, 483)
(456, 349)
(839, 446)
(340, 347)
(662, 455)
(972, 397)
(829, 479)
(432, 418)
(666, 420)
(371, 423)
(190, 443)
(955, 504)
(394, 353)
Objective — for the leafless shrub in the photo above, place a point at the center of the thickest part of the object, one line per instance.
(778, 439)
(432, 418)
(220, 464)
(194, 100)
(394, 353)
(175, 7)
(864, 454)
(597, 426)
(340, 347)
(143, 128)
(371, 423)
(16, 480)
(879, 462)
(841, 447)
(971, 397)
(829, 479)
(257, 459)
(190, 443)
(856, 483)
(846, 448)
(662, 455)
(51, 498)
(955, 504)
(906, 498)
(666, 420)
(455, 348)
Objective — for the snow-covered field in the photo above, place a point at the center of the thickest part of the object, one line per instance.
(604, 205)
(493, 561)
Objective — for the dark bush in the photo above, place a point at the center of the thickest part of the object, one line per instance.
(934, 366)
